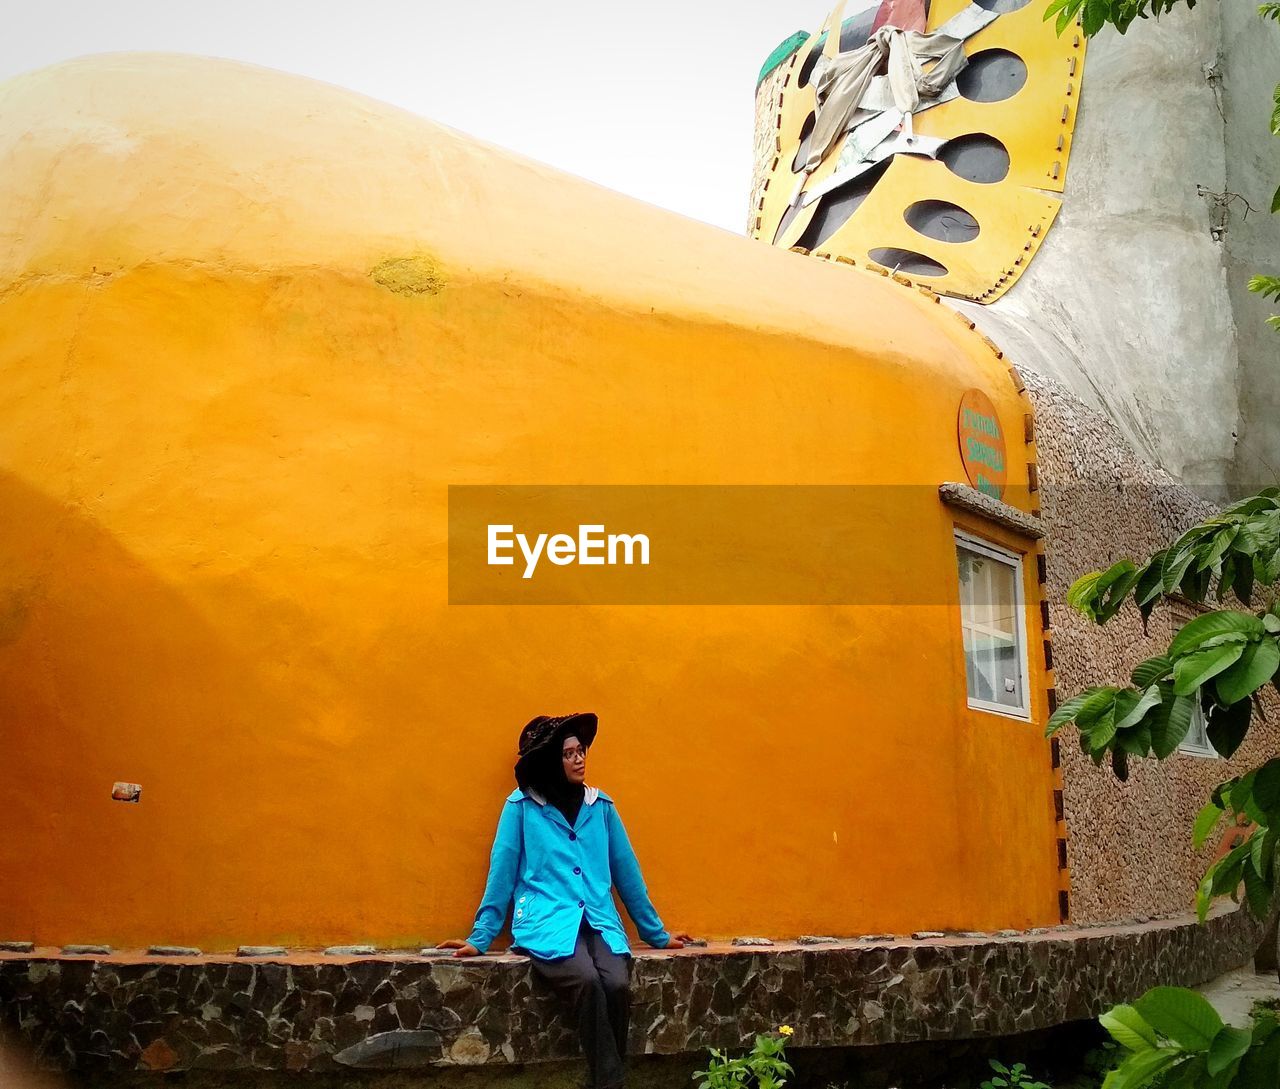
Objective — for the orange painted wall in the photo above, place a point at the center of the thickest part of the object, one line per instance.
(224, 453)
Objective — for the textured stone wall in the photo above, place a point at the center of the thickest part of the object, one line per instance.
(766, 136)
(313, 1013)
(1129, 844)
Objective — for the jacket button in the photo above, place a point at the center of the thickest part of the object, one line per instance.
(582, 903)
(577, 869)
(573, 835)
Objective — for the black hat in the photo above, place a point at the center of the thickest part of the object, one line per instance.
(545, 730)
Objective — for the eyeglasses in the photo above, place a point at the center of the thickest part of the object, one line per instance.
(570, 755)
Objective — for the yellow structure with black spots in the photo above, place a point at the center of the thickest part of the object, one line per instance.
(1013, 213)
(252, 328)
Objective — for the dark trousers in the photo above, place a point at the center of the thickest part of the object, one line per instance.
(596, 982)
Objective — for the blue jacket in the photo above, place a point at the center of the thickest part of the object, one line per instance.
(557, 874)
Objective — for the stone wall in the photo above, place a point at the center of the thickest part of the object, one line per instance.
(308, 1012)
(766, 137)
(1129, 844)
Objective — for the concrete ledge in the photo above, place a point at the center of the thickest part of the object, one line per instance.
(315, 1012)
(975, 502)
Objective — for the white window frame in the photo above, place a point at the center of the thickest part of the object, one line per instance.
(1200, 726)
(1015, 561)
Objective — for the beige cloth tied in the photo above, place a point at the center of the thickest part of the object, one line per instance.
(842, 82)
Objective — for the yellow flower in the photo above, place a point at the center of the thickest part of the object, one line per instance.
(786, 1030)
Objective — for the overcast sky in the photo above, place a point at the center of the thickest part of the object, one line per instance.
(654, 100)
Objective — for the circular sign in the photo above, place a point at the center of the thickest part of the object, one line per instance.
(982, 443)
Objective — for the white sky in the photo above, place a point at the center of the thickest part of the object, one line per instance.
(656, 100)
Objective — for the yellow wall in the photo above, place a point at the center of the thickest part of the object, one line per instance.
(224, 452)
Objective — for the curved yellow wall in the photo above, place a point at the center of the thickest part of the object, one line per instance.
(224, 453)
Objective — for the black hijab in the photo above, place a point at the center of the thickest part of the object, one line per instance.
(545, 774)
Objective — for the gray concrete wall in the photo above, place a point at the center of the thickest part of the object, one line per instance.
(1127, 303)
(1138, 300)
(1250, 70)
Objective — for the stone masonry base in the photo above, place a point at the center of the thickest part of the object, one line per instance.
(123, 1012)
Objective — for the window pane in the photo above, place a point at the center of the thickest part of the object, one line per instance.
(989, 621)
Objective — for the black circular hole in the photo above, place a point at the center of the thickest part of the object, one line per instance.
(835, 208)
(942, 220)
(992, 76)
(908, 261)
(976, 157)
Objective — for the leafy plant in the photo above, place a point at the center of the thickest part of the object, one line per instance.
(1011, 1077)
(1097, 1063)
(763, 1067)
(1174, 1038)
(1222, 658)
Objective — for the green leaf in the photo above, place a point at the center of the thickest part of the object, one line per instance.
(1222, 792)
(1117, 593)
(1204, 897)
(1227, 873)
(1187, 1075)
(1141, 1068)
(1239, 794)
(1149, 699)
(1128, 1028)
(1101, 732)
(1260, 1068)
(1196, 632)
(1227, 1047)
(1176, 562)
(1170, 722)
(1091, 699)
(1101, 702)
(1192, 671)
(1120, 763)
(1206, 821)
(1227, 727)
(1219, 544)
(1266, 788)
(1256, 666)
(1083, 591)
(1184, 1016)
(1242, 583)
(1257, 892)
(1152, 670)
(1136, 740)
(1095, 17)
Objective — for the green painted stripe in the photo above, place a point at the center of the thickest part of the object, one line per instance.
(784, 51)
(780, 55)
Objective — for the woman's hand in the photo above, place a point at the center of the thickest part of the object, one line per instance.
(677, 941)
(461, 948)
